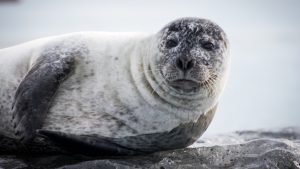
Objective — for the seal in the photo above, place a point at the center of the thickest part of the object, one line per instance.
(118, 93)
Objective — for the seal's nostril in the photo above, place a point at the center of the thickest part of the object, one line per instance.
(190, 64)
(184, 64)
(179, 64)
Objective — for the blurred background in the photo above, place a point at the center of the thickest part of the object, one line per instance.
(264, 84)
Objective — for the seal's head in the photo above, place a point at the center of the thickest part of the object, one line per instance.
(192, 54)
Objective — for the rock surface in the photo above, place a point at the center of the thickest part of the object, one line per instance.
(246, 149)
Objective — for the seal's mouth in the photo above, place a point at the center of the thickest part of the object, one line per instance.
(185, 85)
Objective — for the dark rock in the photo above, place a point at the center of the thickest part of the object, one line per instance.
(246, 149)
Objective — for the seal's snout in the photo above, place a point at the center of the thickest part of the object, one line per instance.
(184, 64)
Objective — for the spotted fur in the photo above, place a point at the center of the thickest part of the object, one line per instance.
(118, 93)
(191, 34)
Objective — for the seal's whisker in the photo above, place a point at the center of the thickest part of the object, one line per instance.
(159, 85)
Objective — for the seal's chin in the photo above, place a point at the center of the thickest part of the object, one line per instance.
(185, 86)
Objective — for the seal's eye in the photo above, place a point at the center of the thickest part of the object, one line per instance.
(208, 46)
(171, 43)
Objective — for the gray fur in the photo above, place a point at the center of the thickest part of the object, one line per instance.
(180, 137)
(80, 91)
(35, 92)
(191, 34)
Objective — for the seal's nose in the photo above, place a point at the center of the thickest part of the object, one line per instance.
(185, 63)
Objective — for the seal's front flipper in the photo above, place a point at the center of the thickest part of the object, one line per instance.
(34, 94)
(88, 144)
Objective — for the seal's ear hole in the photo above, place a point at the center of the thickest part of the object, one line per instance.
(171, 43)
(174, 28)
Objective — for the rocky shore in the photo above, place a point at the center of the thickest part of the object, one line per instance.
(243, 149)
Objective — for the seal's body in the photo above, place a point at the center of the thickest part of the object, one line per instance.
(120, 92)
